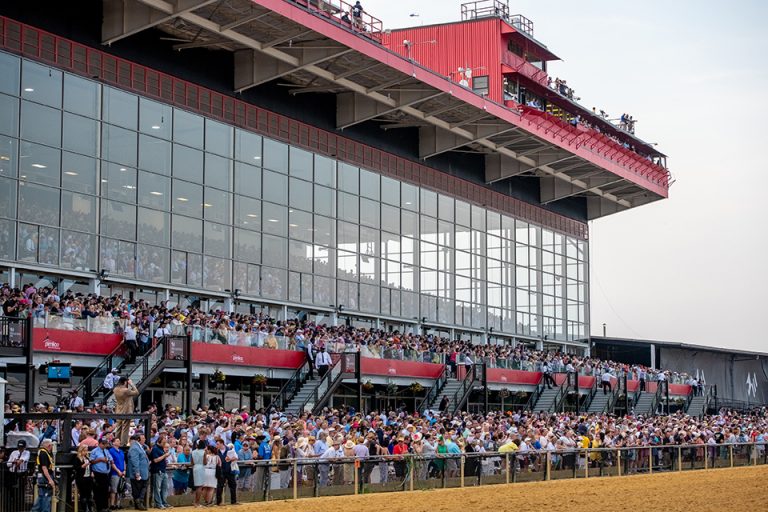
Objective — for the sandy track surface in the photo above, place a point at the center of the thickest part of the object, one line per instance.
(715, 490)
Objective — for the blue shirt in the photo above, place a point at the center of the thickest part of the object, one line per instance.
(157, 467)
(265, 451)
(320, 447)
(181, 475)
(100, 467)
(118, 459)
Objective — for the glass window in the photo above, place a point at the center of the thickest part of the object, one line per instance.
(275, 156)
(275, 187)
(41, 84)
(463, 213)
(218, 138)
(8, 158)
(369, 213)
(78, 173)
(478, 218)
(300, 256)
(186, 234)
(7, 239)
(428, 229)
(349, 208)
(324, 261)
(78, 250)
(217, 206)
(187, 163)
(275, 219)
(275, 250)
(217, 239)
(28, 242)
(370, 184)
(410, 223)
(300, 225)
(154, 227)
(194, 269)
(428, 201)
(390, 191)
(218, 171)
(9, 113)
(154, 155)
(247, 180)
(81, 135)
(118, 220)
(155, 118)
(274, 282)
(247, 246)
(9, 74)
(349, 178)
(445, 208)
(216, 273)
(301, 163)
(7, 198)
(126, 258)
(347, 236)
(390, 218)
(40, 164)
(369, 241)
(325, 171)
(120, 184)
(40, 123)
(410, 197)
(118, 145)
(120, 108)
(81, 96)
(247, 147)
(187, 198)
(325, 201)
(187, 128)
(325, 230)
(248, 213)
(179, 267)
(152, 263)
(78, 211)
(48, 246)
(300, 194)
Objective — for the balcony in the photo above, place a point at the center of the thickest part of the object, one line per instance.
(517, 64)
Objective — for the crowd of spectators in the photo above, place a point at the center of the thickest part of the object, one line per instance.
(140, 322)
(214, 449)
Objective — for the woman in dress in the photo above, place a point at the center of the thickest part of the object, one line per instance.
(84, 479)
(198, 471)
(212, 462)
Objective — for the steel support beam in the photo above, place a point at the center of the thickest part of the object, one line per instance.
(254, 68)
(121, 18)
(501, 167)
(434, 140)
(352, 108)
(552, 189)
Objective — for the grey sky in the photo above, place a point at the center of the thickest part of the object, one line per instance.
(693, 268)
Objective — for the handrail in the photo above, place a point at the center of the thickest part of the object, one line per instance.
(328, 382)
(434, 391)
(340, 11)
(560, 396)
(107, 363)
(688, 399)
(612, 399)
(591, 395)
(466, 386)
(291, 387)
(14, 337)
(535, 396)
(657, 397)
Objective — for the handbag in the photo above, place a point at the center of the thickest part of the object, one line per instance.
(121, 485)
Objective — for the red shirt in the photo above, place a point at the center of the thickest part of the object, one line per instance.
(400, 449)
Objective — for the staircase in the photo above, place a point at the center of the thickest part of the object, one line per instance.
(599, 403)
(168, 352)
(697, 406)
(548, 400)
(303, 393)
(449, 390)
(646, 404)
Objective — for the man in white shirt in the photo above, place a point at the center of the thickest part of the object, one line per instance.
(17, 462)
(76, 402)
(131, 343)
(606, 381)
(310, 352)
(111, 379)
(163, 331)
(323, 361)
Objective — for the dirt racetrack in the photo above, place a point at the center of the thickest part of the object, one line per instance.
(737, 489)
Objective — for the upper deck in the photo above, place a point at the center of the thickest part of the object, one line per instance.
(316, 47)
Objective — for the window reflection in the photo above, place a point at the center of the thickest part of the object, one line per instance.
(41, 84)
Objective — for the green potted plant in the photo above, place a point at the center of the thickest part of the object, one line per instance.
(368, 386)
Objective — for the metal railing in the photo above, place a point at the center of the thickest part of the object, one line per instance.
(291, 387)
(434, 391)
(590, 396)
(313, 477)
(484, 9)
(335, 374)
(657, 397)
(341, 12)
(97, 324)
(93, 383)
(467, 383)
(535, 396)
(14, 332)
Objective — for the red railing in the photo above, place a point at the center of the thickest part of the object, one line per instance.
(341, 12)
(596, 142)
(525, 68)
(69, 55)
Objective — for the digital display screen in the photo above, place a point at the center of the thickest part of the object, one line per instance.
(59, 374)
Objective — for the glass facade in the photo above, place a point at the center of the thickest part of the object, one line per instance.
(92, 178)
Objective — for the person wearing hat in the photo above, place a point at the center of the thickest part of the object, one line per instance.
(110, 380)
(331, 453)
(101, 466)
(17, 468)
(45, 477)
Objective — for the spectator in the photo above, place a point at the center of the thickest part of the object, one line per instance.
(84, 479)
(157, 468)
(138, 471)
(101, 465)
(117, 474)
(45, 477)
(227, 457)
